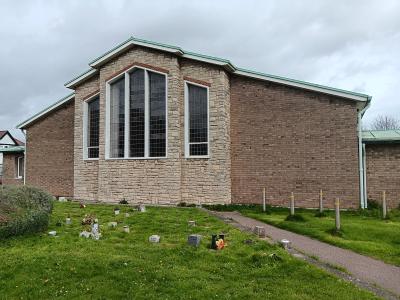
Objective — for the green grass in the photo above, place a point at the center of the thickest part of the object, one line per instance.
(363, 232)
(125, 266)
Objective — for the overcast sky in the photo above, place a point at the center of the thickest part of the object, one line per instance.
(353, 46)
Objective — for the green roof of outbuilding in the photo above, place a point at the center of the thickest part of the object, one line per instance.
(381, 136)
(12, 149)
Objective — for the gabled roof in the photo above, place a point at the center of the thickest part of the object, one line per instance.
(46, 111)
(226, 64)
(381, 136)
(17, 142)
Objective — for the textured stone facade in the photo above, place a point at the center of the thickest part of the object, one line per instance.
(289, 140)
(383, 169)
(9, 176)
(166, 180)
(49, 152)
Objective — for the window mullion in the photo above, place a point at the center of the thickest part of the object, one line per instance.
(146, 114)
(186, 123)
(127, 117)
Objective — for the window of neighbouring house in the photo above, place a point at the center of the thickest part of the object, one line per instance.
(93, 118)
(137, 118)
(19, 164)
(196, 120)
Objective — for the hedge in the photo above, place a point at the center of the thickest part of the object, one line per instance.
(23, 209)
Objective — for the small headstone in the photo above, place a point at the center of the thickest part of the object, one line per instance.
(286, 244)
(154, 238)
(126, 229)
(85, 234)
(62, 199)
(112, 224)
(259, 230)
(68, 221)
(53, 233)
(191, 223)
(127, 215)
(116, 211)
(194, 240)
(141, 208)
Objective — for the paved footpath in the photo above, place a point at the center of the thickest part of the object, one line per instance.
(362, 267)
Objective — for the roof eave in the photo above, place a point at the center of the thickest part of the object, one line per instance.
(45, 111)
(79, 79)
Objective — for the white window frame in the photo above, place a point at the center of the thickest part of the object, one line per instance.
(125, 75)
(85, 126)
(20, 176)
(187, 124)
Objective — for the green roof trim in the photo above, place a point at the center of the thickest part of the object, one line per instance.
(13, 149)
(45, 111)
(213, 60)
(381, 136)
(305, 83)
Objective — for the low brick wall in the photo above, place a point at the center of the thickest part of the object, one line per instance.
(383, 172)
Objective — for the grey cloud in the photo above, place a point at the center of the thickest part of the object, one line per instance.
(352, 45)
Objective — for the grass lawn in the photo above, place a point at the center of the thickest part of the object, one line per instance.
(126, 265)
(363, 232)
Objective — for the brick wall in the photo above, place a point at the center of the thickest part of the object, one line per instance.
(49, 152)
(290, 140)
(383, 169)
(169, 180)
(10, 169)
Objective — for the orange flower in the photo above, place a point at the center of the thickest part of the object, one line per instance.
(220, 244)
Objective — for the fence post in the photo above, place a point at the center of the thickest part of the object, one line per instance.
(292, 204)
(264, 204)
(321, 209)
(384, 209)
(337, 214)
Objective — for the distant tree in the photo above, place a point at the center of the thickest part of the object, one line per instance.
(384, 122)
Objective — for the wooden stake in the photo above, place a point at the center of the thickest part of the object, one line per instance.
(292, 204)
(337, 214)
(321, 209)
(384, 209)
(264, 204)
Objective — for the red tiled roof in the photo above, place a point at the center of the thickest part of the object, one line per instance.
(19, 143)
(2, 133)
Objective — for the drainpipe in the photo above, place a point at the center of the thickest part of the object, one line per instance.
(365, 177)
(363, 201)
(24, 157)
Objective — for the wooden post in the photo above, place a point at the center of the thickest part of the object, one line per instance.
(384, 210)
(321, 209)
(292, 204)
(337, 214)
(264, 204)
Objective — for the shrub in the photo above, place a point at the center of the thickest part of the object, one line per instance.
(23, 210)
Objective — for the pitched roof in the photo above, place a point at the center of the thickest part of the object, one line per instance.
(381, 136)
(16, 141)
(226, 64)
(46, 111)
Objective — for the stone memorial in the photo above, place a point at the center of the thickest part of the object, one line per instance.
(126, 229)
(286, 244)
(259, 230)
(53, 233)
(112, 224)
(154, 238)
(194, 240)
(141, 208)
(192, 223)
